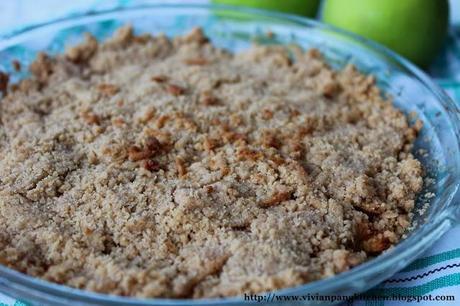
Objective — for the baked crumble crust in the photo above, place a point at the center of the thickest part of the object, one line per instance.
(150, 167)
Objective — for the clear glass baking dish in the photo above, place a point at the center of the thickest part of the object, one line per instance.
(411, 90)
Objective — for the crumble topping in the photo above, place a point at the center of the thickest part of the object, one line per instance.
(155, 167)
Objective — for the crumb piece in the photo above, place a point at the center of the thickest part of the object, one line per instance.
(180, 166)
(329, 89)
(267, 114)
(376, 244)
(269, 140)
(183, 121)
(175, 90)
(159, 78)
(196, 61)
(314, 53)
(161, 121)
(196, 35)
(151, 165)
(108, 89)
(152, 144)
(122, 36)
(42, 67)
(275, 199)
(135, 153)
(294, 113)
(233, 137)
(278, 160)
(208, 99)
(163, 137)
(148, 115)
(118, 122)
(248, 154)
(90, 117)
(92, 158)
(418, 125)
(83, 52)
(210, 143)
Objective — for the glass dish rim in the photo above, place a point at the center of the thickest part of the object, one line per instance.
(408, 248)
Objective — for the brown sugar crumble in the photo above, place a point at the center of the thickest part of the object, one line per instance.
(180, 170)
(175, 90)
(108, 89)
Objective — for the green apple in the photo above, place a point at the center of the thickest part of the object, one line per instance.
(300, 7)
(416, 29)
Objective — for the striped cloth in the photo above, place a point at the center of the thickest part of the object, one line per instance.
(435, 275)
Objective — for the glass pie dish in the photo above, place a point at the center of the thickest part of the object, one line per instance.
(437, 146)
